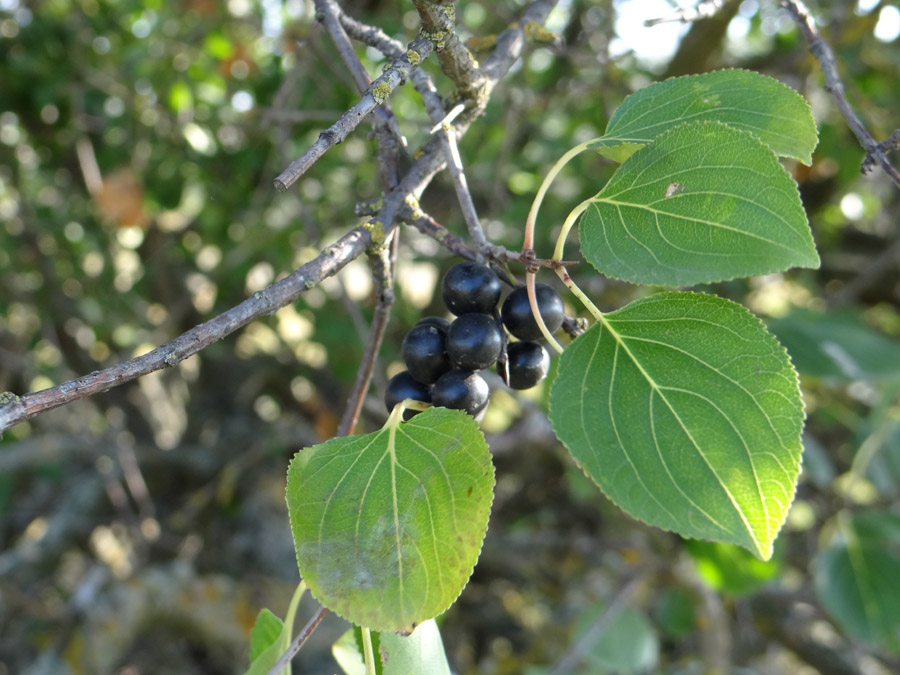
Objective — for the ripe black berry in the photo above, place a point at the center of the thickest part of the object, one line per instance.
(425, 353)
(470, 287)
(436, 321)
(528, 364)
(517, 315)
(461, 390)
(401, 386)
(474, 341)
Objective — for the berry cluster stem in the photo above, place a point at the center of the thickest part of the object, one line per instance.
(528, 244)
(532, 301)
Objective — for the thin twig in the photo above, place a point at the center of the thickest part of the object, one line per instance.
(428, 226)
(875, 151)
(262, 303)
(511, 42)
(393, 49)
(330, 13)
(784, 617)
(275, 115)
(377, 93)
(382, 273)
(302, 636)
(461, 187)
(574, 656)
(702, 10)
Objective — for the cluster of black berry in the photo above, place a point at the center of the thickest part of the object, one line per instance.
(442, 357)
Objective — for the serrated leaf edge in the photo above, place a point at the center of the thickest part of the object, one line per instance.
(647, 148)
(403, 630)
(806, 160)
(763, 552)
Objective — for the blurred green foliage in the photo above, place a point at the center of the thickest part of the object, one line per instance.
(141, 530)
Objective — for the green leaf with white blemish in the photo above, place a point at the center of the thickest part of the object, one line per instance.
(388, 526)
(687, 413)
(703, 202)
(773, 112)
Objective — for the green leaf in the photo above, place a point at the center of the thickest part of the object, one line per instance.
(838, 345)
(388, 526)
(181, 99)
(673, 612)
(421, 652)
(265, 632)
(856, 578)
(617, 152)
(725, 567)
(267, 646)
(628, 644)
(687, 413)
(702, 203)
(767, 108)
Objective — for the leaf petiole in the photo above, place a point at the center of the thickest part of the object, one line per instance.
(368, 653)
(561, 272)
(396, 415)
(545, 185)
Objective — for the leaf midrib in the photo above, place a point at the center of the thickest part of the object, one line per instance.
(620, 343)
(700, 221)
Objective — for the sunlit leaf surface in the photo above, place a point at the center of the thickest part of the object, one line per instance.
(765, 107)
(388, 526)
(687, 413)
(704, 202)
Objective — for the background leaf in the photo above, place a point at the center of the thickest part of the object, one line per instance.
(837, 344)
(761, 105)
(702, 203)
(388, 526)
(727, 568)
(270, 637)
(687, 413)
(421, 652)
(856, 578)
(628, 644)
(264, 633)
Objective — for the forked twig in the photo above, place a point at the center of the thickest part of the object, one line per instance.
(876, 153)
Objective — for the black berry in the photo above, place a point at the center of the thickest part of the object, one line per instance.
(470, 287)
(425, 353)
(517, 315)
(436, 321)
(401, 386)
(461, 390)
(474, 341)
(528, 364)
